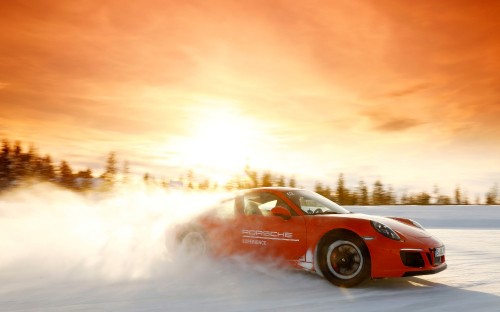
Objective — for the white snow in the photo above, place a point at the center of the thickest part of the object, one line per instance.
(62, 253)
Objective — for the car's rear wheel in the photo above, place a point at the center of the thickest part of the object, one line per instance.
(193, 244)
(344, 261)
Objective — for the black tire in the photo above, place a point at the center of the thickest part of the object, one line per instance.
(344, 261)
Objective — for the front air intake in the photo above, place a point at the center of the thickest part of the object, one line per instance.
(412, 259)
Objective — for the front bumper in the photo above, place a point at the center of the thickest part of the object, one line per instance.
(397, 259)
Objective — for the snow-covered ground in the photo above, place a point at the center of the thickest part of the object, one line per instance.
(62, 253)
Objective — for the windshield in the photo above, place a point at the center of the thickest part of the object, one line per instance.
(313, 203)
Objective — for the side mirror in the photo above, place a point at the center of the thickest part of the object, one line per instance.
(281, 212)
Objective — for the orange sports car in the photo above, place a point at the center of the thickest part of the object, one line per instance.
(311, 232)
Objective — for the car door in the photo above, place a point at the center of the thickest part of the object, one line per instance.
(265, 235)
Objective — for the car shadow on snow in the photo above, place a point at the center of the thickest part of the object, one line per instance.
(416, 293)
(399, 283)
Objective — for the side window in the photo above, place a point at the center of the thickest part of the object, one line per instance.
(261, 203)
(225, 209)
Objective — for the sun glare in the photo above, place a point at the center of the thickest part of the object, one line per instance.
(221, 143)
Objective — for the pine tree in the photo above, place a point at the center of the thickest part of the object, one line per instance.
(35, 164)
(109, 175)
(492, 196)
(341, 193)
(323, 191)
(266, 179)
(281, 181)
(378, 194)
(390, 198)
(458, 196)
(18, 168)
(66, 177)
(443, 200)
(364, 200)
(318, 188)
(48, 172)
(423, 199)
(5, 165)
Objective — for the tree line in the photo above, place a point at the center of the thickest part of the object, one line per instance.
(18, 166)
(363, 195)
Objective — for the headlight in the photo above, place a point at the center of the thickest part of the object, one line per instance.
(385, 230)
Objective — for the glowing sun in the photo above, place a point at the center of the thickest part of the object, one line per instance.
(222, 142)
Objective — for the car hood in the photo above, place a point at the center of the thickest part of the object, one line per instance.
(398, 226)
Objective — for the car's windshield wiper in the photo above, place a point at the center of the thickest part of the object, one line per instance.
(330, 212)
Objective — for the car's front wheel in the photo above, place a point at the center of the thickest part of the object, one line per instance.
(344, 261)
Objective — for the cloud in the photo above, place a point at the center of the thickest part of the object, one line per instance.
(390, 118)
(407, 91)
(397, 124)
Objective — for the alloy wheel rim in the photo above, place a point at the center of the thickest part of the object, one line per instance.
(344, 259)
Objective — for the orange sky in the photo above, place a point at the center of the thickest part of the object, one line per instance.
(408, 92)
